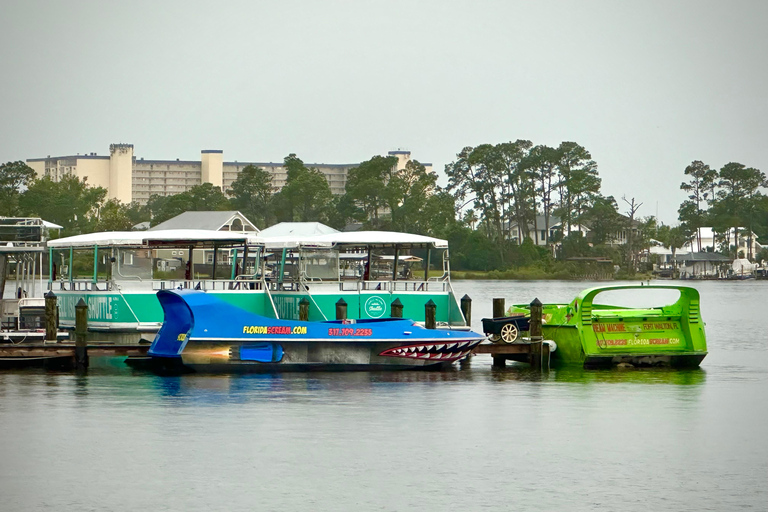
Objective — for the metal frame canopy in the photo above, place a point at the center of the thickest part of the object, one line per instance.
(200, 237)
(360, 238)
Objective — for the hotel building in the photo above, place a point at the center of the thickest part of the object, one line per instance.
(128, 178)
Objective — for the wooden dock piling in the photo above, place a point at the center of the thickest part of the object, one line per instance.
(396, 309)
(498, 308)
(51, 317)
(341, 309)
(535, 334)
(466, 309)
(430, 315)
(81, 335)
(304, 309)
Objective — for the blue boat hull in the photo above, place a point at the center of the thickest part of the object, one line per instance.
(203, 333)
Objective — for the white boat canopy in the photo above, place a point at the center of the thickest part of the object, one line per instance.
(154, 238)
(352, 238)
(181, 237)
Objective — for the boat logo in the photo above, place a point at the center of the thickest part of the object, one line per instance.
(375, 307)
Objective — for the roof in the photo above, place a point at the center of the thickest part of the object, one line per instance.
(354, 238)
(297, 229)
(203, 220)
(703, 256)
(147, 238)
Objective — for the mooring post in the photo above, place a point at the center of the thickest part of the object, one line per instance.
(430, 315)
(51, 318)
(545, 356)
(466, 309)
(81, 335)
(535, 333)
(341, 309)
(498, 308)
(304, 309)
(396, 309)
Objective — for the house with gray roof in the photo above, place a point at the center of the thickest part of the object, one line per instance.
(703, 265)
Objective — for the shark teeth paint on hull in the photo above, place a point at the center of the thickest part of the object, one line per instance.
(433, 351)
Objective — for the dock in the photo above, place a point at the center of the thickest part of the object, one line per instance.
(61, 354)
(533, 350)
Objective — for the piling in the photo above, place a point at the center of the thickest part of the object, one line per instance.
(545, 356)
(396, 309)
(304, 309)
(536, 335)
(341, 309)
(51, 317)
(81, 335)
(498, 308)
(430, 315)
(466, 309)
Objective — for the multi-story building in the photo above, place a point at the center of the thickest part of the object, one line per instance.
(128, 178)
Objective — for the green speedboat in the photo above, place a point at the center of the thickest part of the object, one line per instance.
(593, 333)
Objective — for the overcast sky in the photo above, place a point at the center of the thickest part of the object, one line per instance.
(645, 86)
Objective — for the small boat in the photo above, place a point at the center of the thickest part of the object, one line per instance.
(202, 332)
(594, 334)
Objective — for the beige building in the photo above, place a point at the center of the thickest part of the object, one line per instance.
(128, 178)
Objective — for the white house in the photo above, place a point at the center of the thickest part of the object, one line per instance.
(710, 241)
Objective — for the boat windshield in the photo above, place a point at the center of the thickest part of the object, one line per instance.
(134, 263)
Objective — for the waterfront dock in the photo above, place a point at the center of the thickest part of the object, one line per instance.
(61, 354)
(526, 350)
(532, 350)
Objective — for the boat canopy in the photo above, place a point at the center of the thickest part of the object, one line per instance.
(154, 238)
(209, 237)
(359, 238)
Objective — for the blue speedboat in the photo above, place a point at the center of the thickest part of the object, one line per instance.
(202, 332)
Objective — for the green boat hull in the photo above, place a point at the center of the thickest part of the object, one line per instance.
(595, 335)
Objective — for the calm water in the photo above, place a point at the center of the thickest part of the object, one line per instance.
(471, 439)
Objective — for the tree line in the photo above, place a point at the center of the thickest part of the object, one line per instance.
(728, 200)
(498, 209)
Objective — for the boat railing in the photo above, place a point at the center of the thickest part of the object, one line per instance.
(441, 278)
(79, 285)
(395, 286)
(209, 284)
(87, 285)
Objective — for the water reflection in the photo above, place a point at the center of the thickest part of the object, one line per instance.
(577, 375)
(290, 387)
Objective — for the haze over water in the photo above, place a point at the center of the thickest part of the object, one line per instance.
(467, 439)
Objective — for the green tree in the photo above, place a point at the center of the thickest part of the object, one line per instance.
(200, 198)
(366, 185)
(541, 163)
(604, 220)
(69, 202)
(578, 183)
(251, 194)
(116, 216)
(699, 188)
(739, 197)
(407, 192)
(306, 196)
(439, 214)
(518, 189)
(14, 176)
(471, 178)
(673, 238)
